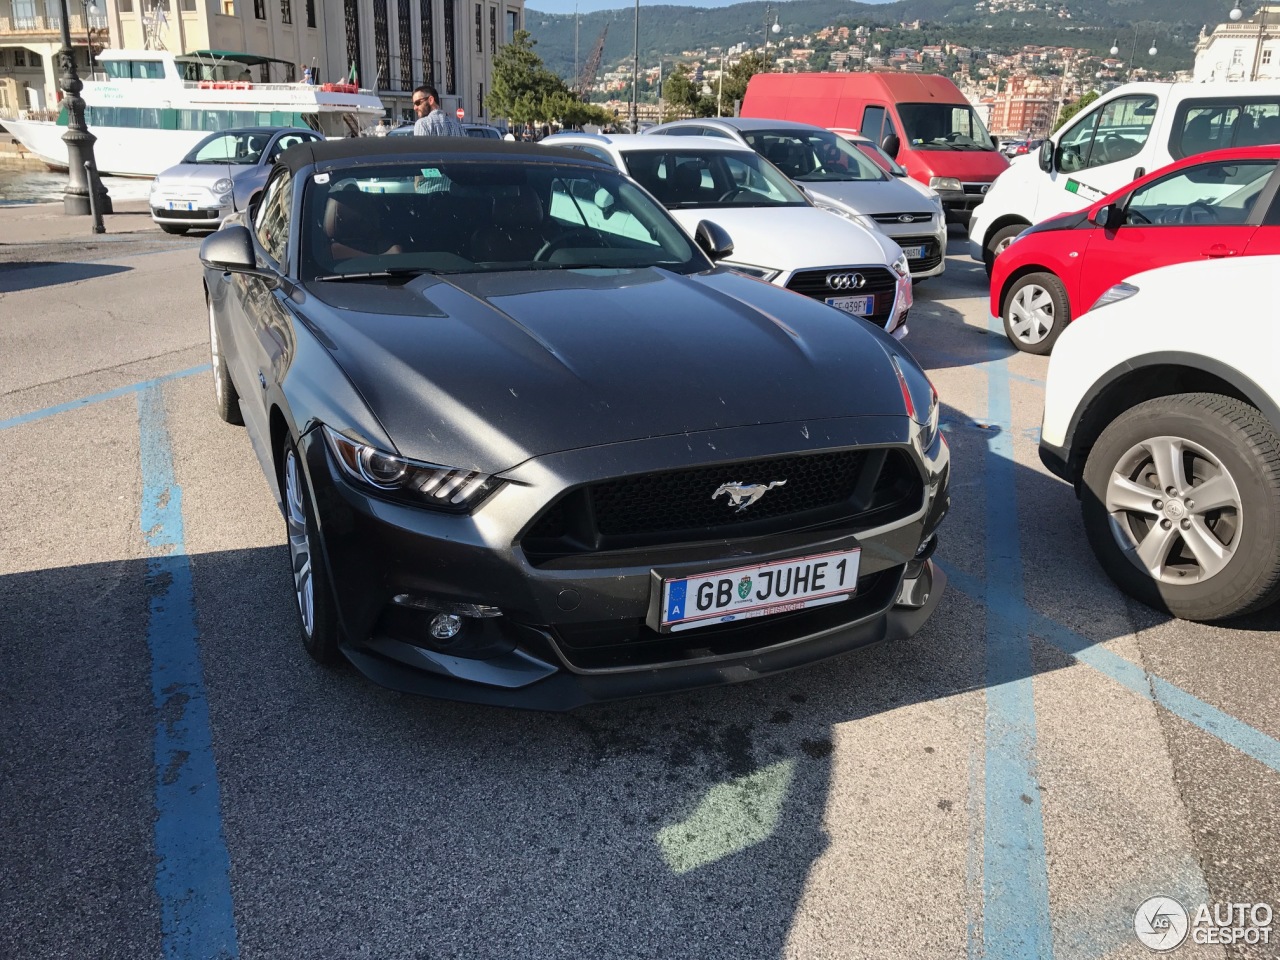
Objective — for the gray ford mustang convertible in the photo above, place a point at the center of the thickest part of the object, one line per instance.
(534, 448)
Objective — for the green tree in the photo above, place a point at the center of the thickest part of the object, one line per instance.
(1071, 109)
(521, 83)
(680, 93)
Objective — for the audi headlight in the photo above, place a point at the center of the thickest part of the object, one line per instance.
(945, 183)
(455, 489)
(747, 270)
(222, 186)
(900, 266)
(1121, 291)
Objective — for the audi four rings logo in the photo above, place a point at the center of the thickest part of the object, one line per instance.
(846, 281)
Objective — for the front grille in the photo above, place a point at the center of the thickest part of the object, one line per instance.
(185, 214)
(931, 256)
(879, 281)
(976, 188)
(891, 218)
(847, 489)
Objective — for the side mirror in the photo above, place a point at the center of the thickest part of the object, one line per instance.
(713, 240)
(1108, 217)
(231, 250)
(1045, 157)
(891, 145)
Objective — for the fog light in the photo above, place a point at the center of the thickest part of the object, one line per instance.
(445, 626)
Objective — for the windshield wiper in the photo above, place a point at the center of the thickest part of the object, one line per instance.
(395, 273)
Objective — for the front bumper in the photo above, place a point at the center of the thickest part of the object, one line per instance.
(572, 629)
(195, 209)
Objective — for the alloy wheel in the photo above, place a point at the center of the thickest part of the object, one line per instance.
(1174, 510)
(299, 541)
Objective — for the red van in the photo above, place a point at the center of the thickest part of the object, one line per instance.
(922, 120)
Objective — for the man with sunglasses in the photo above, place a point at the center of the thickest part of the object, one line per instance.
(432, 120)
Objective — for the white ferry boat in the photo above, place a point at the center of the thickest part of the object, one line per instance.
(148, 108)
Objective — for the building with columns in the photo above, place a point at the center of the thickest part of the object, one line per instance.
(394, 45)
(1246, 49)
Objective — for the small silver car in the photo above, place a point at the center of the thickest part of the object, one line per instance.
(219, 176)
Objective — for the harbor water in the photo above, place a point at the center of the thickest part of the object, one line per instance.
(19, 185)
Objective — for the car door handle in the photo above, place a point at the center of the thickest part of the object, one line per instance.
(1219, 250)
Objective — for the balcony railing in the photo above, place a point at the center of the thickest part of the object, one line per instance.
(27, 26)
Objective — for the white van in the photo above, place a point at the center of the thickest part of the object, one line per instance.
(1127, 132)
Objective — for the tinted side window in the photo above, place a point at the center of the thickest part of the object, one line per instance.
(1202, 125)
(713, 132)
(1222, 192)
(873, 122)
(272, 225)
(690, 131)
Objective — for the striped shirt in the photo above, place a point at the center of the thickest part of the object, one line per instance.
(437, 123)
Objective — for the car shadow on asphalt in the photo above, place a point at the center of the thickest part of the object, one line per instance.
(31, 275)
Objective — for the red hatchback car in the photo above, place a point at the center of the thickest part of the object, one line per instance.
(1219, 204)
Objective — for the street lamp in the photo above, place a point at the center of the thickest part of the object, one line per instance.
(90, 10)
(1115, 46)
(85, 191)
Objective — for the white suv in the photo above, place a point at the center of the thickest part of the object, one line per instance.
(1165, 417)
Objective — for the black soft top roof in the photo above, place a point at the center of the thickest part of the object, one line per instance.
(336, 152)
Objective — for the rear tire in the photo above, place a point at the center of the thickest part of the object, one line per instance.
(313, 596)
(174, 228)
(1036, 311)
(225, 398)
(1216, 558)
(999, 240)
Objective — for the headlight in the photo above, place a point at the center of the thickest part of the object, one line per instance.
(155, 185)
(1121, 291)
(859, 219)
(937, 204)
(422, 484)
(900, 266)
(945, 183)
(747, 270)
(920, 397)
(222, 186)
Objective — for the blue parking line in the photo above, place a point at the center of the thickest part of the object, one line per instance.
(193, 870)
(1015, 877)
(1237, 734)
(99, 397)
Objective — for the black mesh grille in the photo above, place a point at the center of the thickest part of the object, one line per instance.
(877, 281)
(846, 488)
(976, 188)
(931, 257)
(187, 214)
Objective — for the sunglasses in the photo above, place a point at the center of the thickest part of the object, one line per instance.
(419, 103)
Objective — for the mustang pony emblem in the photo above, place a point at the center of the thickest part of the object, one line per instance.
(743, 495)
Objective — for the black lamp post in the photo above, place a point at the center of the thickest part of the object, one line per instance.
(81, 179)
(90, 10)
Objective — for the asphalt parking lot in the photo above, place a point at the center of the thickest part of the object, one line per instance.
(178, 779)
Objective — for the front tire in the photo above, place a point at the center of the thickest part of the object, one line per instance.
(313, 596)
(1181, 504)
(1036, 311)
(225, 398)
(999, 240)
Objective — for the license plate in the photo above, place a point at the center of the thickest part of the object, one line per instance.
(180, 205)
(758, 591)
(858, 306)
(913, 253)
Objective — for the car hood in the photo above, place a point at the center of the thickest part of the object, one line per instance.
(488, 370)
(793, 238)
(201, 174)
(871, 196)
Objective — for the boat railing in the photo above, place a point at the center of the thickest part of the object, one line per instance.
(10, 113)
(273, 87)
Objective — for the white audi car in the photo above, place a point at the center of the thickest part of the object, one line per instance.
(1166, 419)
(778, 234)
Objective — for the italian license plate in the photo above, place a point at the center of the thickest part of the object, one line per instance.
(181, 205)
(858, 306)
(758, 591)
(913, 253)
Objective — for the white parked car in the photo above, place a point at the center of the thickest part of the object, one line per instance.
(839, 177)
(778, 234)
(1167, 421)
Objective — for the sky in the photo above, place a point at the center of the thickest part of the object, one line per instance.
(589, 6)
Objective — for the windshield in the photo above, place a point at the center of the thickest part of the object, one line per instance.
(468, 216)
(689, 178)
(812, 156)
(943, 126)
(233, 148)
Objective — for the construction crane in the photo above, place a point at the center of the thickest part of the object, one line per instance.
(582, 86)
